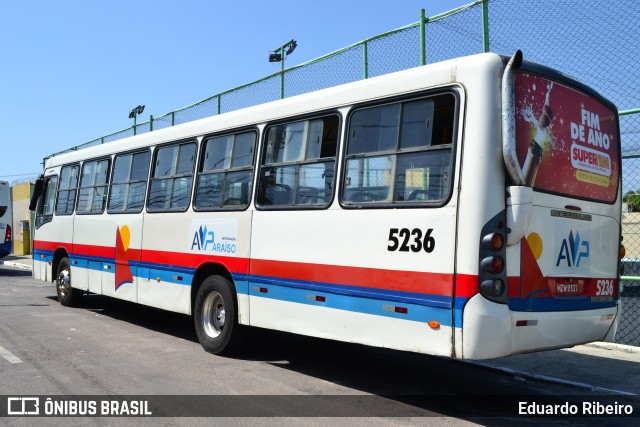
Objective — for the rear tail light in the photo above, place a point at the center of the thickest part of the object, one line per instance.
(7, 234)
(492, 275)
(497, 264)
(493, 241)
(492, 287)
(493, 264)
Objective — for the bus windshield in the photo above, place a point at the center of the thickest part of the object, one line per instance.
(567, 142)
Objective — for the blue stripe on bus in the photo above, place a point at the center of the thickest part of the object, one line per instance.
(549, 304)
(379, 307)
(460, 302)
(420, 307)
(168, 274)
(439, 301)
(163, 270)
(37, 255)
(176, 276)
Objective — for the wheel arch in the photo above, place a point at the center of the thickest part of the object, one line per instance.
(57, 257)
(211, 269)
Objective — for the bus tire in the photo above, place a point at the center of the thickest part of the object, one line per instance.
(67, 295)
(215, 316)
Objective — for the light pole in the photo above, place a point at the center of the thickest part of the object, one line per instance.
(279, 55)
(133, 114)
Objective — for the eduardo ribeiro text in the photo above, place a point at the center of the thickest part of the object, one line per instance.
(587, 408)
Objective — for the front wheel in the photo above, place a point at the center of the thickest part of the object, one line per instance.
(215, 316)
(67, 295)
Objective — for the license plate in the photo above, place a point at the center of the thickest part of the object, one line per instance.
(566, 287)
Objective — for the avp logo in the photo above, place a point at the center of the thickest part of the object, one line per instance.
(573, 250)
(202, 238)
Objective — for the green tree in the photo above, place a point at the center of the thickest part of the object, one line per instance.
(632, 198)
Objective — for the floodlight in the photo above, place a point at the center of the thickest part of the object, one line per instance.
(292, 46)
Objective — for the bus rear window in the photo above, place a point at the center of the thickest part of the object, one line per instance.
(567, 142)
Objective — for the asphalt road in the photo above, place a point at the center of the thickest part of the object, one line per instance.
(108, 347)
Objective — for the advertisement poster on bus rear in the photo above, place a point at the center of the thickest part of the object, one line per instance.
(567, 142)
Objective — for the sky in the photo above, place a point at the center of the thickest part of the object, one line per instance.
(70, 71)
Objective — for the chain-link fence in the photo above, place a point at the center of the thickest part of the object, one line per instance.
(628, 330)
(592, 40)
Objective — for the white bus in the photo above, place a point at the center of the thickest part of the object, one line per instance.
(6, 219)
(469, 208)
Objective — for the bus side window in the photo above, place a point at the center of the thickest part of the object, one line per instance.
(45, 208)
(172, 178)
(67, 192)
(225, 175)
(400, 153)
(298, 164)
(129, 182)
(92, 197)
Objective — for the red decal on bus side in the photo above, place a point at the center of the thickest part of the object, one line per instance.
(533, 283)
(404, 281)
(123, 255)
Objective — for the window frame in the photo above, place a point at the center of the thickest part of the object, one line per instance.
(77, 187)
(42, 219)
(263, 153)
(417, 96)
(152, 165)
(109, 160)
(111, 183)
(252, 168)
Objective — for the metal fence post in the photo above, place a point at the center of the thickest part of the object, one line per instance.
(485, 25)
(151, 123)
(423, 56)
(282, 73)
(365, 59)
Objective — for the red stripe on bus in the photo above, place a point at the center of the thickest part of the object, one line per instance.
(47, 246)
(93, 250)
(233, 264)
(375, 278)
(466, 285)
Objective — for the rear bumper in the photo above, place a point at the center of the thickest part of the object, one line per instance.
(490, 329)
(5, 249)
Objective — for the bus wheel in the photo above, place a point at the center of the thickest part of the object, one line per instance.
(215, 318)
(67, 295)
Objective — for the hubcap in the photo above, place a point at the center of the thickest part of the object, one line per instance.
(213, 314)
(63, 282)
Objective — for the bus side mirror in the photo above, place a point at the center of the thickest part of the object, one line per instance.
(519, 206)
(37, 192)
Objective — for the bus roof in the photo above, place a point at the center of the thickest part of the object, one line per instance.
(398, 83)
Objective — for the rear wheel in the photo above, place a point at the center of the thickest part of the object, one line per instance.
(67, 295)
(215, 316)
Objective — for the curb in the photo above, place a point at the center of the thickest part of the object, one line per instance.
(524, 376)
(17, 265)
(614, 347)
